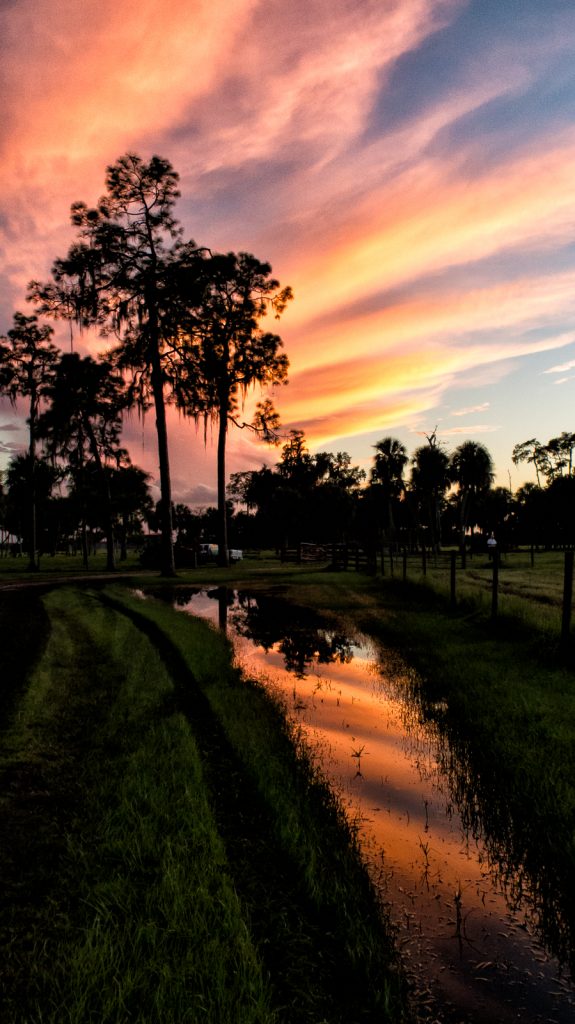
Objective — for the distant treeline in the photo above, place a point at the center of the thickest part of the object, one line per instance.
(430, 499)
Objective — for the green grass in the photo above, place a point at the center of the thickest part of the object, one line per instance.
(305, 820)
(175, 857)
(530, 594)
(142, 921)
(16, 568)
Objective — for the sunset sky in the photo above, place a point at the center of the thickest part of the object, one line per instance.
(407, 166)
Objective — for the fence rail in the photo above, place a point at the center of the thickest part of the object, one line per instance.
(494, 577)
(503, 582)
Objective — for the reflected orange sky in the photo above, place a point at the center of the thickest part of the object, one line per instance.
(405, 166)
(465, 911)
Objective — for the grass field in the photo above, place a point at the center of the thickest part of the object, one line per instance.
(506, 697)
(529, 591)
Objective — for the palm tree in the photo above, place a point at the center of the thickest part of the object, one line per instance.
(389, 463)
(429, 481)
(27, 359)
(471, 468)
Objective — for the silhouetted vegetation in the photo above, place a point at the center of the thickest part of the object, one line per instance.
(187, 328)
(186, 322)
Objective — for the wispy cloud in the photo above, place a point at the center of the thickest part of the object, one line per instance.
(475, 428)
(469, 410)
(561, 367)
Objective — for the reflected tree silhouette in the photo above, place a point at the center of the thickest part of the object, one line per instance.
(270, 622)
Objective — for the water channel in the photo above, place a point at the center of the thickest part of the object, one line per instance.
(476, 929)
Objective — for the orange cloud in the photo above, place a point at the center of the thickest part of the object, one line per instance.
(431, 218)
(344, 378)
(209, 85)
(442, 323)
(91, 77)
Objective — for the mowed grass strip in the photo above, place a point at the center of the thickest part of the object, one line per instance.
(139, 919)
(343, 945)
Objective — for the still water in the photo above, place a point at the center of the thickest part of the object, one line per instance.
(477, 932)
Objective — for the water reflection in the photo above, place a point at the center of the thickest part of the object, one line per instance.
(471, 890)
(299, 635)
(516, 851)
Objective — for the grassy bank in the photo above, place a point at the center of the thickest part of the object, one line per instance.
(169, 853)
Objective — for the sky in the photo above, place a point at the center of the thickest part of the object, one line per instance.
(407, 166)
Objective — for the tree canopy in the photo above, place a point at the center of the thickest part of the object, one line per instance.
(223, 352)
(27, 360)
(120, 276)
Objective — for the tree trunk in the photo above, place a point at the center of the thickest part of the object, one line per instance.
(223, 556)
(463, 517)
(33, 565)
(168, 567)
(390, 520)
(84, 544)
(105, 482)
(124, 539)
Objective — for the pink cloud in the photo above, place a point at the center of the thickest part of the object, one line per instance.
(265, 111)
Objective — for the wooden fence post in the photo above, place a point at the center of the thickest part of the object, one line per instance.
(452, 578)
(495, 584)
(404, 566)
(423, 560)
(567, 599)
